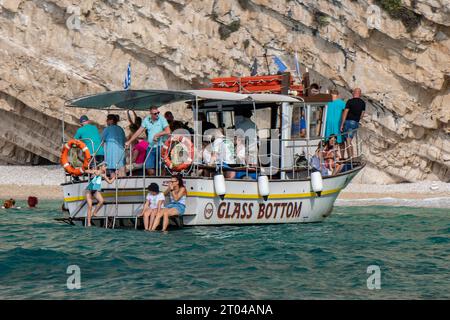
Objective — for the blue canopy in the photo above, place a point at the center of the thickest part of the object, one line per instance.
(130, 99)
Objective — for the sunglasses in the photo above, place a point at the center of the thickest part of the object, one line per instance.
(155, 113)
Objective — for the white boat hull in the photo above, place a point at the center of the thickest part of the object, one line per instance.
(290, 201)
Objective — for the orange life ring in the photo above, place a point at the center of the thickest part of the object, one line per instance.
(64, 160)
(167, 154)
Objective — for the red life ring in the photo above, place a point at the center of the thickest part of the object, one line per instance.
(167, 153)
(64, 160)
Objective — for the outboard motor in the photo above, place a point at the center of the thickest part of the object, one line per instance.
(316, 182)
(263, 187)
(219, 185)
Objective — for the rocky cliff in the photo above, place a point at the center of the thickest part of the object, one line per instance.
(398, 52)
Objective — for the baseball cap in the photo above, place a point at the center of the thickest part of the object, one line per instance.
(84, 118)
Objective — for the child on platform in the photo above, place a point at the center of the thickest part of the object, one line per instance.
(94, 189)
(153, 205)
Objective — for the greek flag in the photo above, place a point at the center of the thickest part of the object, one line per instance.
(127, 80)
(281, 66)
(297, 67)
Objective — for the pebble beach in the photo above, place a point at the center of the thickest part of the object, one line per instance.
(19, 182)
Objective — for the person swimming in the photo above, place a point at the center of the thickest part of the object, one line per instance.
(32, 202)
(10, 204)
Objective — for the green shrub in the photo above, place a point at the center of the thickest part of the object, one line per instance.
(321, 19)
(396, 10)
(226, 30)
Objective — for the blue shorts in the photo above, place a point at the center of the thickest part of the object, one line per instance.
(152, 162)
(180, 207)
(242, 174)
(350, 125)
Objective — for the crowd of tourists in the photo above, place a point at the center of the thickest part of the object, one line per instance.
(219, 152)
(342, 122)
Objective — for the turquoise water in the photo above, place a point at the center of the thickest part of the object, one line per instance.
(298, 261)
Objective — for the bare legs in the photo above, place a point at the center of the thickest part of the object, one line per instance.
(149, 218)
(89, 211)
(98, 196)
(165, 214)
(229, 174)
(349, 147)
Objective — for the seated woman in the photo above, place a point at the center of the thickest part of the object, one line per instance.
(138, 155)
(153, 205)
(316, 161)
(330, 155)
(177, 204)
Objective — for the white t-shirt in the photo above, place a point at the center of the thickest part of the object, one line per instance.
(206, 155)
(154, 199)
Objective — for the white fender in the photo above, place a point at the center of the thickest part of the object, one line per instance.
(263, 186)
(219, 185)
(316, 181)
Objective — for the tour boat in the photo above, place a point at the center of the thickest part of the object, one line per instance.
(283, 187)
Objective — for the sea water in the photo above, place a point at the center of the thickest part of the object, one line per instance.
(373, 252)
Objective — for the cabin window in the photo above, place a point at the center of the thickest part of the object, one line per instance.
(223, 119)
(262, 118)
(212, 117)
(298, 127)
(316, 122)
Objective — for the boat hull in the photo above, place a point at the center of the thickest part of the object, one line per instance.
(290, 201)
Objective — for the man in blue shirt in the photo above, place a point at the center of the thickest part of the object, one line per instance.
(88, 133)
(157, 129)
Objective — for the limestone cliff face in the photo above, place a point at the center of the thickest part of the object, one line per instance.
(54, 50)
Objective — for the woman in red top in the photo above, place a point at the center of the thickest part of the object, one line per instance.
(138, 155)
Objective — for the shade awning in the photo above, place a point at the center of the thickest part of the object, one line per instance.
(143, 99)
(130, 99)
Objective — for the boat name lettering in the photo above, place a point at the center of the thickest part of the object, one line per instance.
(271, 210)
